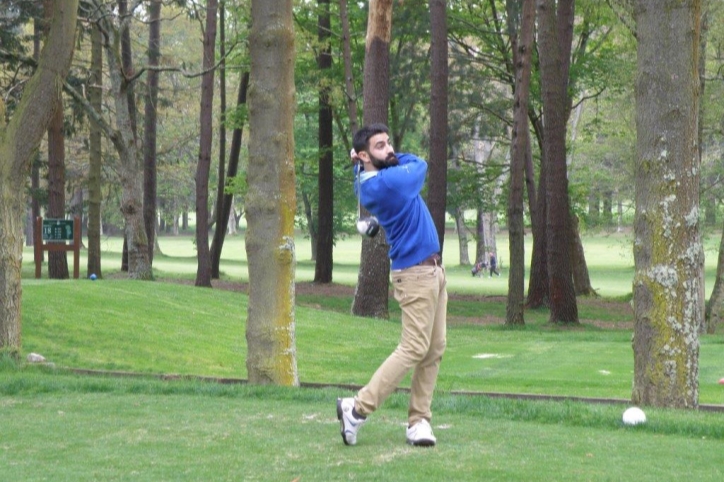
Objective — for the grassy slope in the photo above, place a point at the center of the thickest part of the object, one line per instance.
(168, 328)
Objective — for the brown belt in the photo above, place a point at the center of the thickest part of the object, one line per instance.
(432, 260)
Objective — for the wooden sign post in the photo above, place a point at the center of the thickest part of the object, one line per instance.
(56, 232)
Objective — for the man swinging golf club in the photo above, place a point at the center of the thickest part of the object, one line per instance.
(389, 187)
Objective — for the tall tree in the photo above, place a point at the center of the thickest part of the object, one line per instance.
(271, 196)
(668, 254)
(95, 98)
(19, 139)
(521, 24)
(123, 136)
(371, 297)
(35, 169)
(555, 35)
(325, 138)
(203, 272)
(219, 224)
(437, 184)
(129, 90)
(150, 125)
(57, 260)
(231, 171)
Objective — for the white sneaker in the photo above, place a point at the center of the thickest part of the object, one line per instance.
(349, 424)
(421, 434)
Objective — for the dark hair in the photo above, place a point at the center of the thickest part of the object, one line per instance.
(363, 135)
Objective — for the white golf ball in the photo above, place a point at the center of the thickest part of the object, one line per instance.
(634, 416)
(362, 226)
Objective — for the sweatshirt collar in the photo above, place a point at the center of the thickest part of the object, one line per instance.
(364, 175)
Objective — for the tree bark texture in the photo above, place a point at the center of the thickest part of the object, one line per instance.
(554, 43)
(271, 197)
(462, 237)
(522, 43)
(668, 254)
(437, 178)
(219, 224)
(19, 139)
(35, 168)
(125, 18)
(325, 136)
(579, 268)
(203, 271)
(150, 126)
(57, 260)
(538, 280)
(95, 97)
(371, 296)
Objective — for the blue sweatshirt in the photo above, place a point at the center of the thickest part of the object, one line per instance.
(393, 196)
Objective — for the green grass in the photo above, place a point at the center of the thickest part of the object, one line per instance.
(64, 427)
(167, 328)
(61, 426)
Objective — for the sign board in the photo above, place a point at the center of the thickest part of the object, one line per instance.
(57, 230)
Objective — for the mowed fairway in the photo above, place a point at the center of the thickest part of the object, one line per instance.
(57, 425)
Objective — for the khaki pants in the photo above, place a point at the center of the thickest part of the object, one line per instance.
(422, 295)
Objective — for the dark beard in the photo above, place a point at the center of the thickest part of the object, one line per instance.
(390, 161)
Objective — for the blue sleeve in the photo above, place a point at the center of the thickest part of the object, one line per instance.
(408, 177)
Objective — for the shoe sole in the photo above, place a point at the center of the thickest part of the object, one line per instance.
(340, 417)
(421, 443)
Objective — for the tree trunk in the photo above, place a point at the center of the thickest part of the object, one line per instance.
(95, 97)
(220, 230)
(538, 280)
(127, 64)
(19, 139)
(481, 244)
(203, 272)
(150, 124)
(554, 42)
(522, 42)
(35, 169)
(715, 306)
(462, 237)
(124, 140)
(133, 208)
(581, 279)
(311, 227)
(271, 197)
(371, 296)
(219, 220)
(323, 248)
(668, 254)
(437, 176)
(57, 260)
